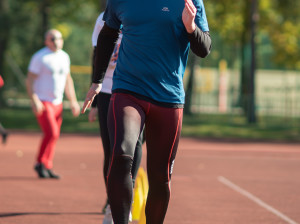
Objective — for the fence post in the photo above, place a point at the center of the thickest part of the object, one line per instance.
(223, 86)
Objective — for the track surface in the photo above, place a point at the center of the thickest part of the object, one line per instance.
(212, 183)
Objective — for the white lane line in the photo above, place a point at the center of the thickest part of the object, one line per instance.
(250, 196)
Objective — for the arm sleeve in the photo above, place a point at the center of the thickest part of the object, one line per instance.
(94, 103)
(200, 42)
(106, 42)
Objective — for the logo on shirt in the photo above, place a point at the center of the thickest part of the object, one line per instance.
(165, 9)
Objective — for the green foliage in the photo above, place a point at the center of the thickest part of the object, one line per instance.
(280, 19)
(278, 32)
(26, 30)
(226, 18)
(277, 39)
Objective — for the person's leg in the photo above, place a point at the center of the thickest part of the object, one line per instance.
(4, 133)
(137, 157)
(125, 122)
(103, 100)
(50, 122)
(58, 110)
(163, 128)
(102, 105)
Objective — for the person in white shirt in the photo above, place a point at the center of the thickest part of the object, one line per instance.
(47, 80)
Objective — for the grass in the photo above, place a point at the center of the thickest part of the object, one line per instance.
(218, 127)
(24, 119)
(235, 127)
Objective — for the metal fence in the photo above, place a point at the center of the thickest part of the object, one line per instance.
(214, 91)
(218, 91)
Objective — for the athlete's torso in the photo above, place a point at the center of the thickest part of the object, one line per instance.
(154, 48)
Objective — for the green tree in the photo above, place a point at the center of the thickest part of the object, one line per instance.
(5, 20)
(280, 21)
(278, 27)
(23, 24)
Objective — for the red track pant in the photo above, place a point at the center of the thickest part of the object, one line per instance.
(50, 122)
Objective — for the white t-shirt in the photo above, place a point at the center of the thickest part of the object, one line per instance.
(52, 69)
(107, 81)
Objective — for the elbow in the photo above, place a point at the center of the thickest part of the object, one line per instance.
(203, 47)
(205, 51)
(200, 43)
(206, 47)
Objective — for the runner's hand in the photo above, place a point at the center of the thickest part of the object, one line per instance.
(188, 16)
(37, 106)
(93, 91)
(75, 108)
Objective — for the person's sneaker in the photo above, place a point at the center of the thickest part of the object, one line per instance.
(52, 175)
(130, 217)
(41, 170)
(4, 137)
(108, 217)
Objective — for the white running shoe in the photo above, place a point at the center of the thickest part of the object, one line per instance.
(130, 217)
(108, 217)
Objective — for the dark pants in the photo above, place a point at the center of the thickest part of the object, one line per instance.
(126, 119)
(103, 100)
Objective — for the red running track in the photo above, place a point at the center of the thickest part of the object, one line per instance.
(213, 182)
